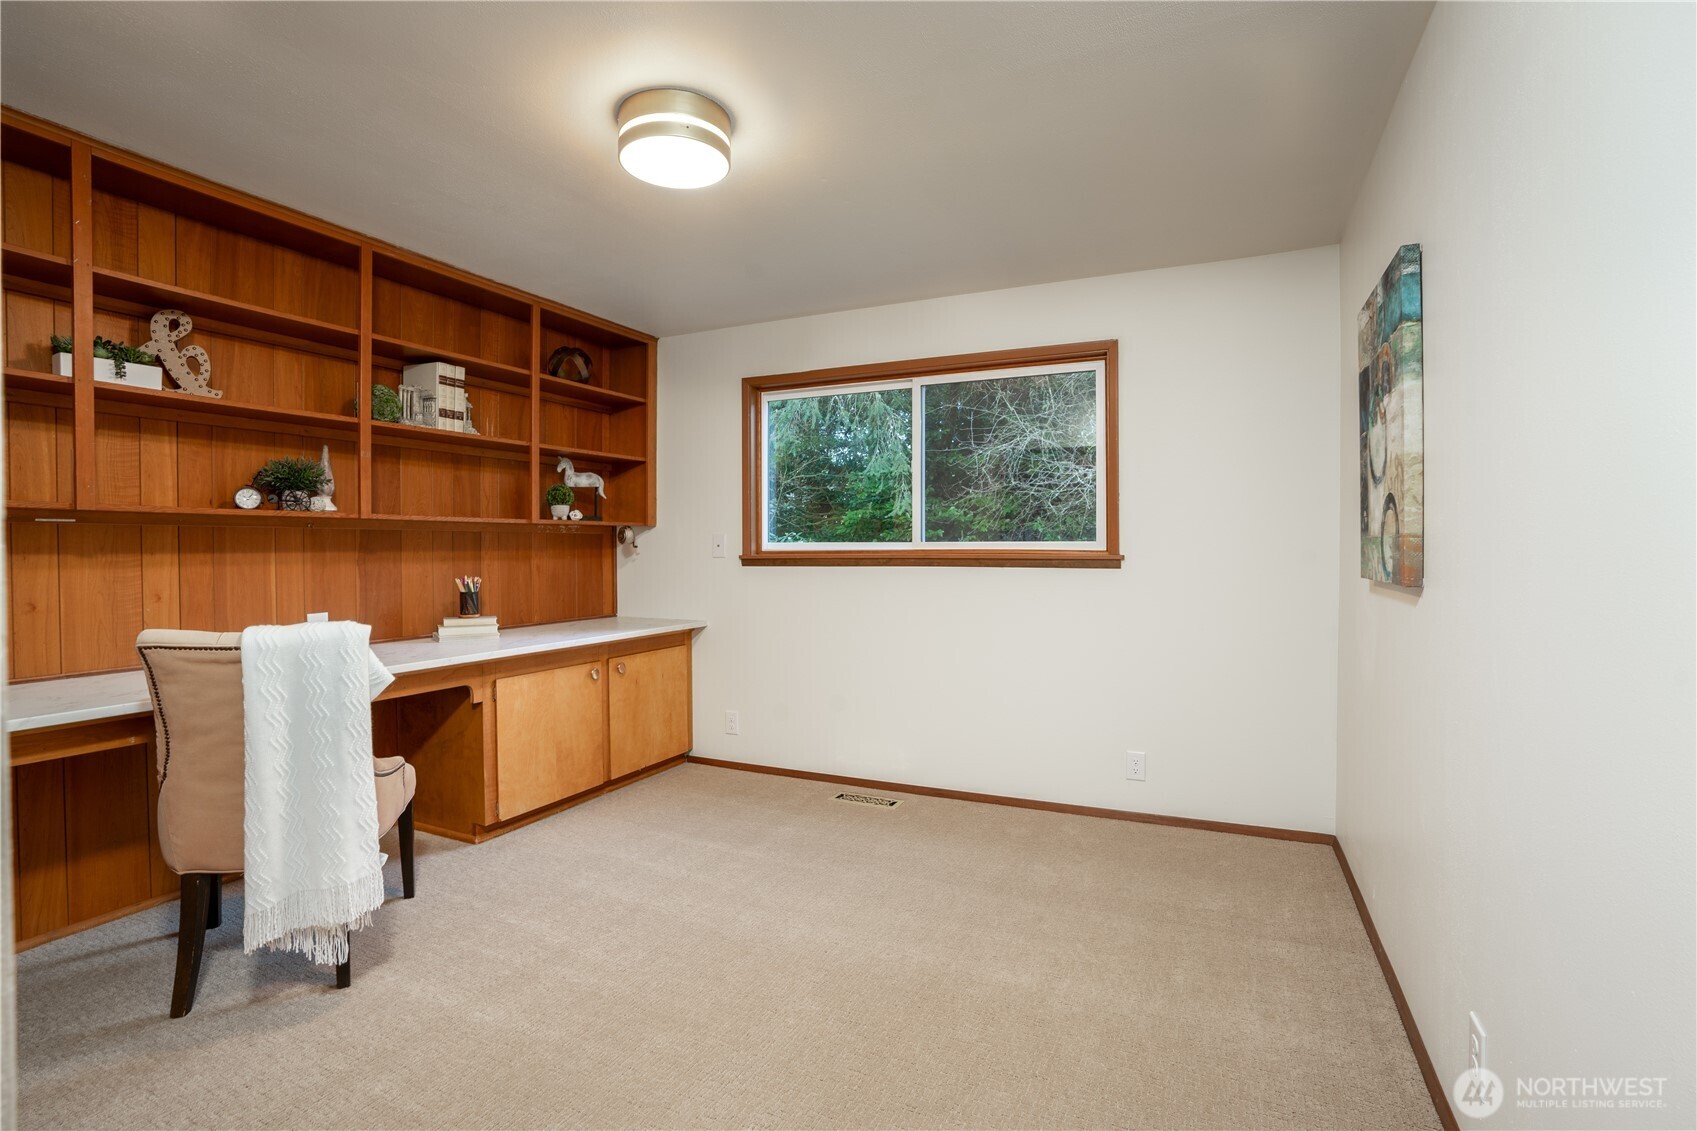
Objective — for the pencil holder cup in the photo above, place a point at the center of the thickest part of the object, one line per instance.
(468, 604)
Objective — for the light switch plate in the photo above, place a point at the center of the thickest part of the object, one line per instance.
(317, 617)
(719, 545)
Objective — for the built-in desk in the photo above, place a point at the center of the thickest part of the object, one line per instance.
(502, 732)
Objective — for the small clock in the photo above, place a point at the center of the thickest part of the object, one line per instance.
(247, 498)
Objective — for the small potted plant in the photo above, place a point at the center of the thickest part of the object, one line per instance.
(114, 362)
(559, 500)
(290, 482)
(385, 404)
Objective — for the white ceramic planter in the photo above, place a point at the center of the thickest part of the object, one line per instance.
(137, 376)
(561, 512)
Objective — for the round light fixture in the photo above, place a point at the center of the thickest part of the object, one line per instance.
(674, 138)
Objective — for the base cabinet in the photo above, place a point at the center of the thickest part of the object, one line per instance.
(648, 716)
(564, 731)
(550, 736)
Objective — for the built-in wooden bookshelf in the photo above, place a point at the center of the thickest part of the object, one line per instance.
(300, 319)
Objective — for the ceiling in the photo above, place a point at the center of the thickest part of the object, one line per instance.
(881, 152)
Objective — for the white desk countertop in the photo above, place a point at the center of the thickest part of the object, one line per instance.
(84, 698)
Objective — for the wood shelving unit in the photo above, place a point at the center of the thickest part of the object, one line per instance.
(301, 318)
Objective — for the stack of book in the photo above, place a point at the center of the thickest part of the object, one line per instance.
(458, 628)
(446, 385)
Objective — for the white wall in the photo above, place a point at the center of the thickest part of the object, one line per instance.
(1515, 778)
(1213, 649)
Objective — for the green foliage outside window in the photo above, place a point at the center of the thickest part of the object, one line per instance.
(840, 467)
(1008, 459)
(1011, 460)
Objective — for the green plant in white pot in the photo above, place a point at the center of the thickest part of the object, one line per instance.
(559, 500)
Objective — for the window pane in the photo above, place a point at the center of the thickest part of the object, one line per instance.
(1011, 459)
(839, 468)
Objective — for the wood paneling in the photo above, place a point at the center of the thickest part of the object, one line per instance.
(80, 592)
(427, 318)
(36, 209)
(551, 733)
(108, 856)
(40, 895)
(32, 588)
(38, 451)
(31, 322)
(140, 239)
(648, 709)
(100, 596)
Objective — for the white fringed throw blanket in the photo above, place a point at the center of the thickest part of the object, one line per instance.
(312, 868)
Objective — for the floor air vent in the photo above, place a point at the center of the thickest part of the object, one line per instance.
(868, 799)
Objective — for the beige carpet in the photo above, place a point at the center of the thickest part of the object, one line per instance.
(711, 948)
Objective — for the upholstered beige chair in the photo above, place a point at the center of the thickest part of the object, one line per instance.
(195, 680)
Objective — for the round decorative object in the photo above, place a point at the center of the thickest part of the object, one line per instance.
(248, 498)
(576, 516)
(571, 363)
(295, 500)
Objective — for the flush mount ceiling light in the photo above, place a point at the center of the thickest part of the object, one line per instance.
(674, 138)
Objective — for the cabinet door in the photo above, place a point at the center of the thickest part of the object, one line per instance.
(550, 736)
(648, 709)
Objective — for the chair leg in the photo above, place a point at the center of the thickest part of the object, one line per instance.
(191, 940)
(345, 972)
(406, 852)
(215, 903)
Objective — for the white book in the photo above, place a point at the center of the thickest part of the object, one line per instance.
(444, 382)
(447, 633)
(455, 622)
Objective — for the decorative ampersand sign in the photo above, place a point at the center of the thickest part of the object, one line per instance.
(168, 326)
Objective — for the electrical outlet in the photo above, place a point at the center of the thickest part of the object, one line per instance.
(718, 545)
(1475, 1042)
(1136, 765)
(310, 617)
(733, 722)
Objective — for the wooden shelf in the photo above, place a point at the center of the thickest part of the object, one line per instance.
(452, 518)
(414, 435)
(108, 393)
(323, 312)
(39, 266)
(219, 313)
(408, 353)
(558, 388)
(138, 514)
(554, 451)
(36, 381)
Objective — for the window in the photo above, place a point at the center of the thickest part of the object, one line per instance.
(982, 459)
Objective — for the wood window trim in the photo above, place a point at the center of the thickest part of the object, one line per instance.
(753, 460)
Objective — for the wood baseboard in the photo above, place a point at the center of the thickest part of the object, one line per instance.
(1434, 1086)
(1028, 803)
(95, 921)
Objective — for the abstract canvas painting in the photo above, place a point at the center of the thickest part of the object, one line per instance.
(1393, 453)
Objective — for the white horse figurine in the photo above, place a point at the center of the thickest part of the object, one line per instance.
(575, 478)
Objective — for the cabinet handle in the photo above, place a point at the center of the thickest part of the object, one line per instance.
(594, 673)
(621, 669)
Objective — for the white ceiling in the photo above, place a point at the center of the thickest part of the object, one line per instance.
(881, 152)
